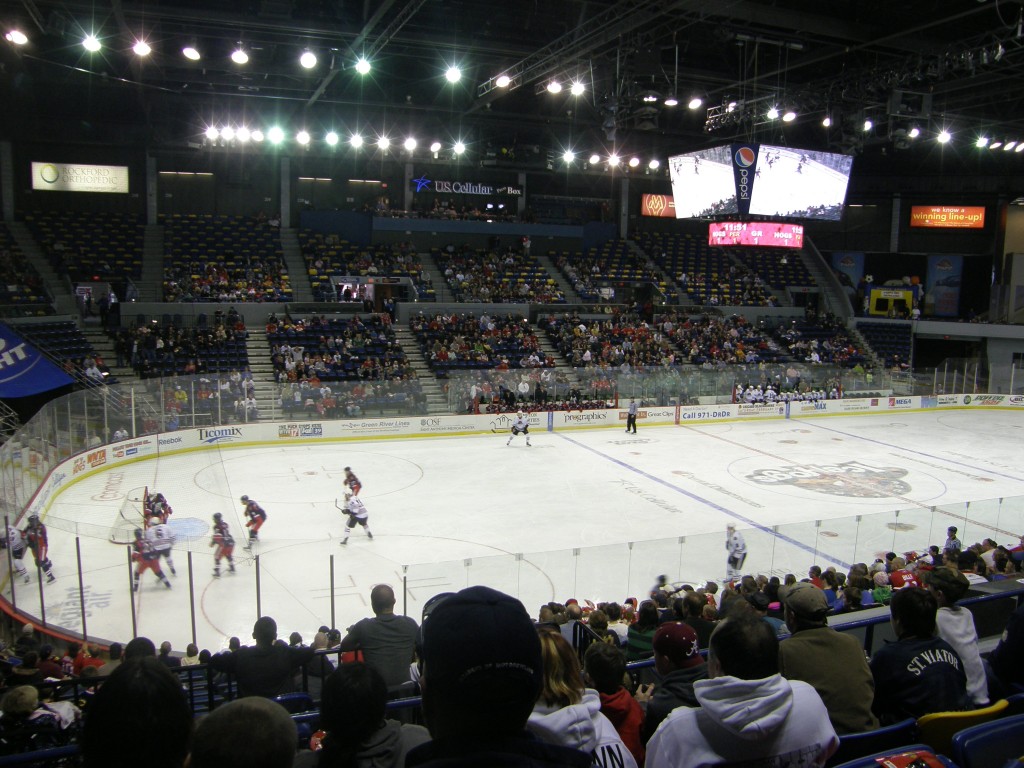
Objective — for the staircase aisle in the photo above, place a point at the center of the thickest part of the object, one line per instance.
(298, 273)
(258, 348)
(437, 400)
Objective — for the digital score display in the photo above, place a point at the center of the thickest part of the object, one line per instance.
(765, 234)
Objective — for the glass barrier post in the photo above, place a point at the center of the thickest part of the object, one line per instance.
(259, 602)
(191, 595)
(131, 594)
(10, 567)
(81, 588)
(331, 579)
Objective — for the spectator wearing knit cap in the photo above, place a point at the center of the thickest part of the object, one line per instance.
(956, 627)
(677, 659)
(833, 662)
(481, 677)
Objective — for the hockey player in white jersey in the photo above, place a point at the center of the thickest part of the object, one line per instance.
(161, 540)
(16, 543)
(520, 424)
(737, 550)
(357, 515)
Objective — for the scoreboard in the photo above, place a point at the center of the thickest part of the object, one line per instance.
(766, 234)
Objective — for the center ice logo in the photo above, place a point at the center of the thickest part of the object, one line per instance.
(852, 478)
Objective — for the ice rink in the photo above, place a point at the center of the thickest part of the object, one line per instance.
(592, 514)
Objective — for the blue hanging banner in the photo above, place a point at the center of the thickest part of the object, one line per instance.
(24, 370)
(744, 168)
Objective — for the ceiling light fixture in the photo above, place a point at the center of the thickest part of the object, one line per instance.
(383, 142)
(141, 48)
(453, 74)
(503, 81)
(914, 132)
(554, 87)
(212, 133)
(459, 148)
(227, 133)
(1009, 145)
(307, 59)
(91, 43)
(654, 164)
(634, 162)
(696, 102)
(275, 135)
(410, 144)
(671, 101)
(595, 159)
(789, 116)
(243, 134)
(362, 66)
(239, 56)
(981, 142)
(331, 138)
(944, 137)
(191, 53)
(16, 36)
(577, 88)
(868, 125)
(435, 146)
(302, 137)
(826, 121)
(568, 156)
(356, 141)
(257, 135)
(613, 160)
(995, 144)
(773, 113)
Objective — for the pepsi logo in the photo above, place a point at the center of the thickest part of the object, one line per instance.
(745, 157)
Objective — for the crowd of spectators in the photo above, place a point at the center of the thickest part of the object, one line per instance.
(327, 256)
(21, 283)
(562, 675)
(622, 341)
(467, 341)
(505, 276)
(158, 348)
(533, 390)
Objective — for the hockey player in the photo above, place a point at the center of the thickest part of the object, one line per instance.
(257, 517)
(737, 549)
(35, 536)
(357, 515)
(145, 560)
(520, 424)
(16, 543)
(352, 482)
(161, 540)
(225, 543)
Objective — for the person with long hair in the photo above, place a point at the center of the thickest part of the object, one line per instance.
(568, 713)
(352, 715)
(640, 635)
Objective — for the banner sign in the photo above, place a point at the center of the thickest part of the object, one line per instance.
(65, 177)
(848, 266)
(658, 205)
(449, 187)
(948, 216)
(23, 369)
(943, 283)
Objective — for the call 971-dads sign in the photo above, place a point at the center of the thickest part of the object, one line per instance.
(70, 177)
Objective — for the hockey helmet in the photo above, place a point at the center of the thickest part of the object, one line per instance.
(138, 533)
(519, 414)
(245, 499)
(217, 516)
(33, 520)
(347, 496)
(348, 469)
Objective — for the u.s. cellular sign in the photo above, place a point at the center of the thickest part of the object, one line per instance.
(68, 177)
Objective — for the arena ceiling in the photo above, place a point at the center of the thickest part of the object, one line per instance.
(953, 63)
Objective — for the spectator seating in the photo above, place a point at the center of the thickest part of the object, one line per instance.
(711, 339)
(223, 258)
(328, 256)
(64, 343)
(938, 728)
(989, 744)
(613, 261)
(878, 758)
(827, 341)
(767, 262)
(888, 738)
(465, 342)
(623, 339)
(87, 245)
(888, 339)
(21, 284)
(486, 276)
(167, 349)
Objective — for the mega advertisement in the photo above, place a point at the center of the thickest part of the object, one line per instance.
(658, 205)
(943, 284)
(23, 369)
(948, 216)
(69, 177)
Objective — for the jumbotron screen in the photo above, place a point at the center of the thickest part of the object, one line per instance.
(765, 234)
(760, 180)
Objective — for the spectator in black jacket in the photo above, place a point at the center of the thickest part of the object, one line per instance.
(265, 669)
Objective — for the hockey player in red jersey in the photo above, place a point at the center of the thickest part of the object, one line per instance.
(35, 537)
(224, 543)
(145, 560)
(257, 517)
(352, 482)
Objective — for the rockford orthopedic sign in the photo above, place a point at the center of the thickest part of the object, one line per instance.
(66, 177)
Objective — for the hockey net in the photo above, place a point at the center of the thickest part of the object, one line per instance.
(132, 515)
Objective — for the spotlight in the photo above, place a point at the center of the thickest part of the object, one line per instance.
(654, 164)
(981, 142)
(554, 87)
(944, 136)
(568, 156)
(634, 162)
(239, 56)
(595, 159)
(410, 144)
(257, 135)
(914, 132)
(142, 48)
(459, 148)
(613, 160)
(453, 74)
(826, 121)
(356, 141)
(868, 125)
(212, 133)
(227, 133)
(308, 59)
(503, 81)
(363, 66)
(1020, 147)
(789, 116)
(650, 98)
(16, 36)
(995, 144)
(383, 142)
(243, 134)
(671, 101)
(191, 53)
(773, 113)
(731, 106)
(275, 135)
(577, 88)
(695, 102)
(91, 43)
(302, 137)
(331, 138)
(1009, 145)
(435, 146)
